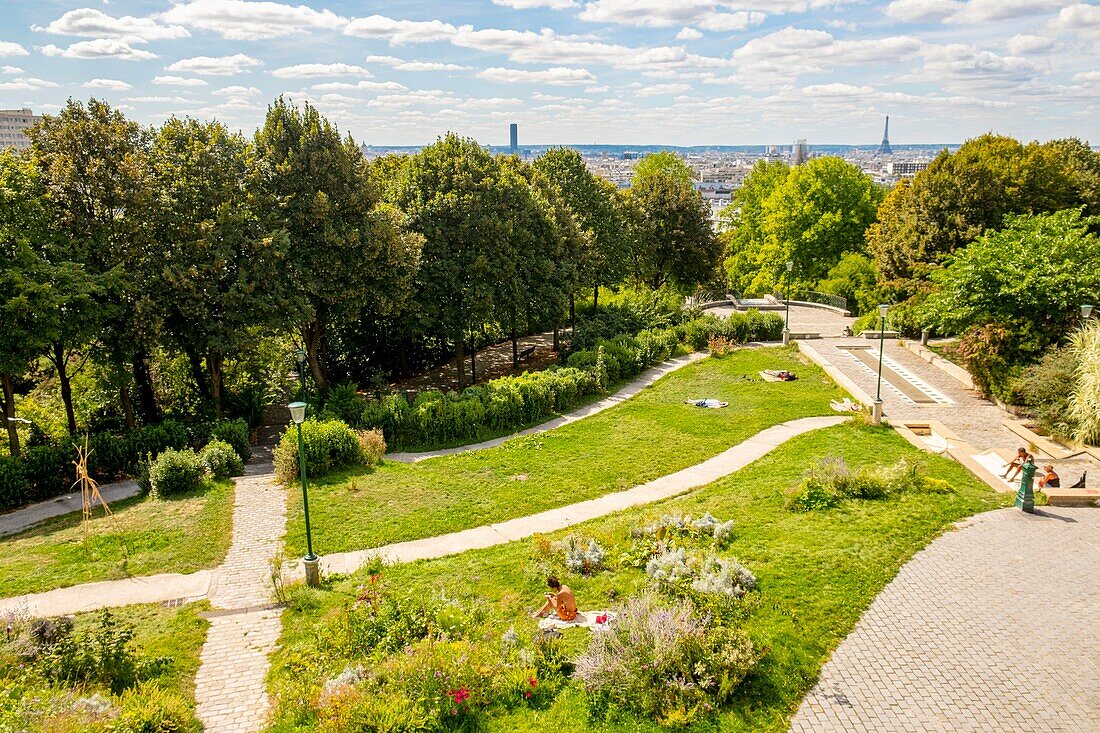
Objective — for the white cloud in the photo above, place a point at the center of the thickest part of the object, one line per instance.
(403, 65)
(843, 25)
(1087, 77)
(661, 89)
(688, 34)
(11, 70)
(708, 14)
(967, 11)
(7, 48)
(401, 31)
(236, 91)
(159, 100)
(921, 11)
(178, 81)
(93, 23)
(100, 48)
(557, 76)
(968, 66)
(1079, 19)
(1022, 44)
(115, 84)
(373, 86)
(215, 65)
(250, 21)
(26, 84)
(305, 71)
(527, 4)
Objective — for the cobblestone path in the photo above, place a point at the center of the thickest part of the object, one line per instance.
(230, 693)
(992, 627)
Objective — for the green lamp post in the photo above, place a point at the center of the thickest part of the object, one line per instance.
(300, 357)
(310, 561)
(1025, 496)
(876, 414)
(787, 313)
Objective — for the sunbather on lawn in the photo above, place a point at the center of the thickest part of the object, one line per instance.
(560, 599)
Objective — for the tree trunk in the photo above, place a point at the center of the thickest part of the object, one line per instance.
(555, 336)
(127, 407)
(61, 363)
(473, 360)
(9, 413)
(311, 337)
(214, 362)
(460, 362)
(572, 311)
(595, 298)
(143, 380)
(515, 348)
(198, 373)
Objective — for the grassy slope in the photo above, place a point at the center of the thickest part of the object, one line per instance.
(649, 436)
(817, 572)
(180, 535)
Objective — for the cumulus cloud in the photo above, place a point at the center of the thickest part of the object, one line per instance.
(100, 48)
(115, 84)
(93, 23)
(178, 81)
(305, 71)
(403, 65)
(398, 32)
(1079, 19)
(373, 86)
(706, 14)
(959, 64)
(10, 70)
(1022, 44)
(556, 76)
(661, 89)
(967, 11)
(26, 84)
(7, 48)
(527, 4)
(250, 21)
(688, 34)
(1087, 77)
(236, 91)
(159, 100)
(215, 65)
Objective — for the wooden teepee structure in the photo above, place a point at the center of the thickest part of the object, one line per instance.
(89, 489)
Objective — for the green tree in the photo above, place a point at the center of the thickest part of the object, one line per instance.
(219, 279)
(1085, 403)
(663, 162)
(676, 243)
(347, 254)
(743, 236)
(95, 169)
(605, 257)
(1031, 275)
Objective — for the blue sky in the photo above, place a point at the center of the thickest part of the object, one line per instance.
(676, 72)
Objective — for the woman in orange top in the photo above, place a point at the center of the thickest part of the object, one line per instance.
(560, 600)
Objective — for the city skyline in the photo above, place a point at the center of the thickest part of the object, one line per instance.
(629, 72)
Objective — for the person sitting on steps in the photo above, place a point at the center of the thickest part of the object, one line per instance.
(1050, 478)
(560, 600)
(1017, 464)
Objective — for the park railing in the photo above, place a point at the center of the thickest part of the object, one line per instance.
(813, 296)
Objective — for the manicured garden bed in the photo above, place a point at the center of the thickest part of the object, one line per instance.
(651, 435)
(130, 669)
(816, 572)
(179, 534)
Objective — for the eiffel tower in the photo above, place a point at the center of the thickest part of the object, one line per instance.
(884, 149)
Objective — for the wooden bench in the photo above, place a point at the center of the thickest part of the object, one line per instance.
(527, 353)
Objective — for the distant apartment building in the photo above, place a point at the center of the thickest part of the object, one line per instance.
(905, 168)
(13, 126)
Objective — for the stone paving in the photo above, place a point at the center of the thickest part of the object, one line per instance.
(992, 627)
(28, 516)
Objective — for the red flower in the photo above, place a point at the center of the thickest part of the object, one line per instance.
(602, 618)
(534, 682)
(460, 696)
(527, 694)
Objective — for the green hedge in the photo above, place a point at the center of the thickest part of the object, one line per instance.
(176, 472)
(739, 328)
(329, 445)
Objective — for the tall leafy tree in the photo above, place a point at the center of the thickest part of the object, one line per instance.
(347, 254)
(676, 243)
(605, 257)
(664, 162)
(96, 173)
(219, 270)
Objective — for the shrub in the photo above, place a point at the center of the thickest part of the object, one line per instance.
(829, 481)
(373, 444)
(234, 432)
(1046, 389)
(581, 556)
(344, 403)
(736, 328)
(220, 460)
(1085, 404)
(102, 655)
(329, 445)
(13, 483)
(150, 709)
(48, 470)
(664, 662)
(175, 472)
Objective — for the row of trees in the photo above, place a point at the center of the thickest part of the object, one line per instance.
(124, 246)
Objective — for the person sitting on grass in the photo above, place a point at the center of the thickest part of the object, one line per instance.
(560, 600)
(1050, 478)
(1017, 464)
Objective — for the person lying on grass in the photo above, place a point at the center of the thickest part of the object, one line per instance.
(560, 599)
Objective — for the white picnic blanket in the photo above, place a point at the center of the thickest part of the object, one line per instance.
(586, 619)
(846, 405)
(708, 402)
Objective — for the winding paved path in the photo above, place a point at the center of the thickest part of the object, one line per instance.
(992, 627)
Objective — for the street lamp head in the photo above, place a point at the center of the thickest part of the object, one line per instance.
(790, 266)
(300, 355)
(883, 309)
(1086, 311)
(297, 412)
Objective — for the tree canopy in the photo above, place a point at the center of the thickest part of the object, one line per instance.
(663, 162)
(675, 242)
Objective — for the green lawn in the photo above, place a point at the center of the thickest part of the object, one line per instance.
(650, 435)
(817, 572)
(33, 703)
(145, 536)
